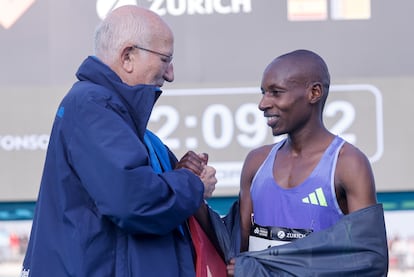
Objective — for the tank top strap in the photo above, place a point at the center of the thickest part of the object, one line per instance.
(268, 162)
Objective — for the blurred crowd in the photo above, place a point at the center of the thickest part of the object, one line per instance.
(401, 253)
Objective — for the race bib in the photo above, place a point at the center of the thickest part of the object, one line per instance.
(263, 237)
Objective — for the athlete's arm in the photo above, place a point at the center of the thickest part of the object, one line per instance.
(355, 179)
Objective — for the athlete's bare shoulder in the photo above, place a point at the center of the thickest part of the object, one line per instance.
(252, 163)
(352, 158)
(257, 156)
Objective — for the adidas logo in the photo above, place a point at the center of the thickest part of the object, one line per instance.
(316, 198)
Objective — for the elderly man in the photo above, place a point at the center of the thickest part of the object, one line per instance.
(113, 199)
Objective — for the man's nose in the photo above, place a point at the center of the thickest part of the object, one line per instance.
(169, 73)
(263, 104)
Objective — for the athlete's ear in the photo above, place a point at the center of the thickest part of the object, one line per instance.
(127, 59)
(316, 92)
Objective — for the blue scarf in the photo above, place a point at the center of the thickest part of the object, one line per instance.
(159, 158)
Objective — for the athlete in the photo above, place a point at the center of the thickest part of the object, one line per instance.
(312, 178)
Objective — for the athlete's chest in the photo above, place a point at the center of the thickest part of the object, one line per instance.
(292, 170)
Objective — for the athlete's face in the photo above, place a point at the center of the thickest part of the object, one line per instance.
(284, 101)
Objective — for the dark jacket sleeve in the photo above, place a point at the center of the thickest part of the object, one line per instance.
(113, 166)
(355, 246)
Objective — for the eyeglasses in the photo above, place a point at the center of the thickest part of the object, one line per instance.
(168, 58)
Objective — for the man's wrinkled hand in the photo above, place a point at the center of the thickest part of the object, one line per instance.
(208, 177)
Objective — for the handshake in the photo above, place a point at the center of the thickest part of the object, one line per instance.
(197, 163)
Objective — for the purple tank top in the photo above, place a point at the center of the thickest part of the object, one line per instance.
(310, 205)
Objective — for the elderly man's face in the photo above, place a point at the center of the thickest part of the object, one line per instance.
(153, 65)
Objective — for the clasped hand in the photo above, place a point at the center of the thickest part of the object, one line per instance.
(197, 163)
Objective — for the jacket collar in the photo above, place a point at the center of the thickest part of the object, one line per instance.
(139, 99)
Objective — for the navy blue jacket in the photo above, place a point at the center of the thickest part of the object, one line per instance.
(101, 209)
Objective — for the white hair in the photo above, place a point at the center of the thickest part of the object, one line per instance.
(117, 30)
